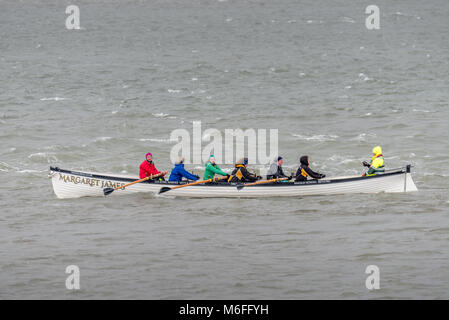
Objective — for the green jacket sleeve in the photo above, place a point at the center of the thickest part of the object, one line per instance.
(215, 169)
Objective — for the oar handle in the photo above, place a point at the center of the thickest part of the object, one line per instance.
(198, 182)
(140, 180)
(265, 181)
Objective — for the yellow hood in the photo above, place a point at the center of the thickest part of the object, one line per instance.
(377, 151)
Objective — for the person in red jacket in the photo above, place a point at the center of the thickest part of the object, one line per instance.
(147, 168)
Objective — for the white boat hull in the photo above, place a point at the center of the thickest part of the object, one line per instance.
(71, 184)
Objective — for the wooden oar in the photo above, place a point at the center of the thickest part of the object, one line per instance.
(165, 189)
(107, 191)
(241, 186)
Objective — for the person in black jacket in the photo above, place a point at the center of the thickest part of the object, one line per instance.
(241, 173)
(304, 171)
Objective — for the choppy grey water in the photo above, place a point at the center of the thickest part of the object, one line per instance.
(99, 98)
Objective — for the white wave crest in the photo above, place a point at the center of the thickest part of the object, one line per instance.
(49, 157)
(363, 77)
(363, 136)
(53, 99)
(347, 19)
(342, 159)
(30, 171)
(160, 115)
(159, 140)
(102, 139)
(319, 137)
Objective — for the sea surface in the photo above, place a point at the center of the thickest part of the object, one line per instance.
(101, 97)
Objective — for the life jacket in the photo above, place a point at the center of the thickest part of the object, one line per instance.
(304, 173)
(378, 161)
(304, 164)
(237, 174)
(377, 165)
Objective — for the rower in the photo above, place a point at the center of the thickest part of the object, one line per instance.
(147, 168)
(275, 170)
(179, 172)
(304, 170)
(212, 169)
(241, 173)
(377, 162)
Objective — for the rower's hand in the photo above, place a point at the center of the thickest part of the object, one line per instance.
(289, 178)
(197, 177)
(366, 164)
(228, 176)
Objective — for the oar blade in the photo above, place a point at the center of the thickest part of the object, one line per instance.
(107, 191)
(164, 189)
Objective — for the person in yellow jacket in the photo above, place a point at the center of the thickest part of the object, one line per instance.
(377, 162)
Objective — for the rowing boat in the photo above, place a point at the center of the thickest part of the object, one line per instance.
(76, 184)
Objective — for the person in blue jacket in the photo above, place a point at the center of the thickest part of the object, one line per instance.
(179, 172)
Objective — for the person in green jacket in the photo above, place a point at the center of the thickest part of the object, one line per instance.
(212, 169)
